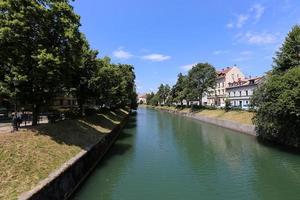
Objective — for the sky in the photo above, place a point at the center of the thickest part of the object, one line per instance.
(162, 38)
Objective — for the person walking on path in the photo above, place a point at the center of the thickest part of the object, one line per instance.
(14, 123)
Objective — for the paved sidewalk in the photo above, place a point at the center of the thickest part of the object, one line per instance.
(6, 127)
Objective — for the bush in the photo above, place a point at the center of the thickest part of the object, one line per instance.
(227, 105)
(278, 108)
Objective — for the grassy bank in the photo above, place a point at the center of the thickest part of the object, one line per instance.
(240, 116)
(30, 155)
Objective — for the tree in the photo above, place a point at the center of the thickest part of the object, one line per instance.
(277, 100)
(42, 44)
(200, 78)
(180, 92)
(149, 97)
(114, 85)
(83, 74)
(288, 55)
(278, 108)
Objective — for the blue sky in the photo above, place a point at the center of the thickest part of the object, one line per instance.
(162, 38)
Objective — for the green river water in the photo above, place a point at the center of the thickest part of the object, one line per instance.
(164, 156)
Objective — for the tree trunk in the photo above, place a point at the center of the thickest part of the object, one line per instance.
(80, 104)
(35, 114)
(200, 100)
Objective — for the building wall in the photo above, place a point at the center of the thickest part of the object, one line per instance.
(240, 95)
(217, 96)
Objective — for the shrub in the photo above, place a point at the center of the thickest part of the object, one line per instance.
(227, 105)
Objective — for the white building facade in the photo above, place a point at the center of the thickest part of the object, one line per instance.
(239, 93)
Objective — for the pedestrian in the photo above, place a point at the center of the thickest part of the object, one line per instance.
(14, 123)
(19, 118)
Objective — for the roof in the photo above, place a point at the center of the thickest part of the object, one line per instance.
(142, 96)
(223, 72)
(245, 82)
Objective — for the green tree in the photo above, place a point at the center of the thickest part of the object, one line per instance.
(277, 100)
(149, 97)
(83, 74)
(288, 55)
(42, 45)
(114, 85)
(278, 108)
(180, 88)
(200, 78)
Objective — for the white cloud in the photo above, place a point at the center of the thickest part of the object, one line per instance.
(156, 57)
(246, 53)
(257, 10)
(122, 54)
(254, 14)
(257, 38)
(243, 56)
(230, 25)
(219, 52)
(188, 66)
(241, 20)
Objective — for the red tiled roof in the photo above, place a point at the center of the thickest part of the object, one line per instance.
(224, 70)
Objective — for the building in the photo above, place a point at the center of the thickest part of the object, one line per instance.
(64, 102)
(217, 96)
(239, 92)
(142, 99)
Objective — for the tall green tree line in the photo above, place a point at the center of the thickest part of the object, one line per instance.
(190, 87)
(44, 54)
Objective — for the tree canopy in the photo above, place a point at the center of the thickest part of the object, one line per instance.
(188, 87)
(278, 99)
(44, 54)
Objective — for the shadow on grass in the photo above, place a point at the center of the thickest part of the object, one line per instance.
(71, 133)
(81, 133)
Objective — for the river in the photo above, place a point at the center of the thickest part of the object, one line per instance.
(164, 156)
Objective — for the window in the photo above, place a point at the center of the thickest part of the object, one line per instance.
(228, 93)
(223, 84)
(246, 102)
(233, 93)
(247, 93)
(240, 93)
(232, 76)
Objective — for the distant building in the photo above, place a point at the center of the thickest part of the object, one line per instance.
(217, 96)
(64, 102)
(239, 92)
(142, 99)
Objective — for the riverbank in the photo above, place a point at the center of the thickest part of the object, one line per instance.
(235, 120)
(29, 156)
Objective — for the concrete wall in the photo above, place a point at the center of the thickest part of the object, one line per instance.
(63, 182)
(243, 128)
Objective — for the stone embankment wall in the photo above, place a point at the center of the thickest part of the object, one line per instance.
(243, 128)
(62, 183)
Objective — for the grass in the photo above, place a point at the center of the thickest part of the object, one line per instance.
(243, 117)
(30, 155)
